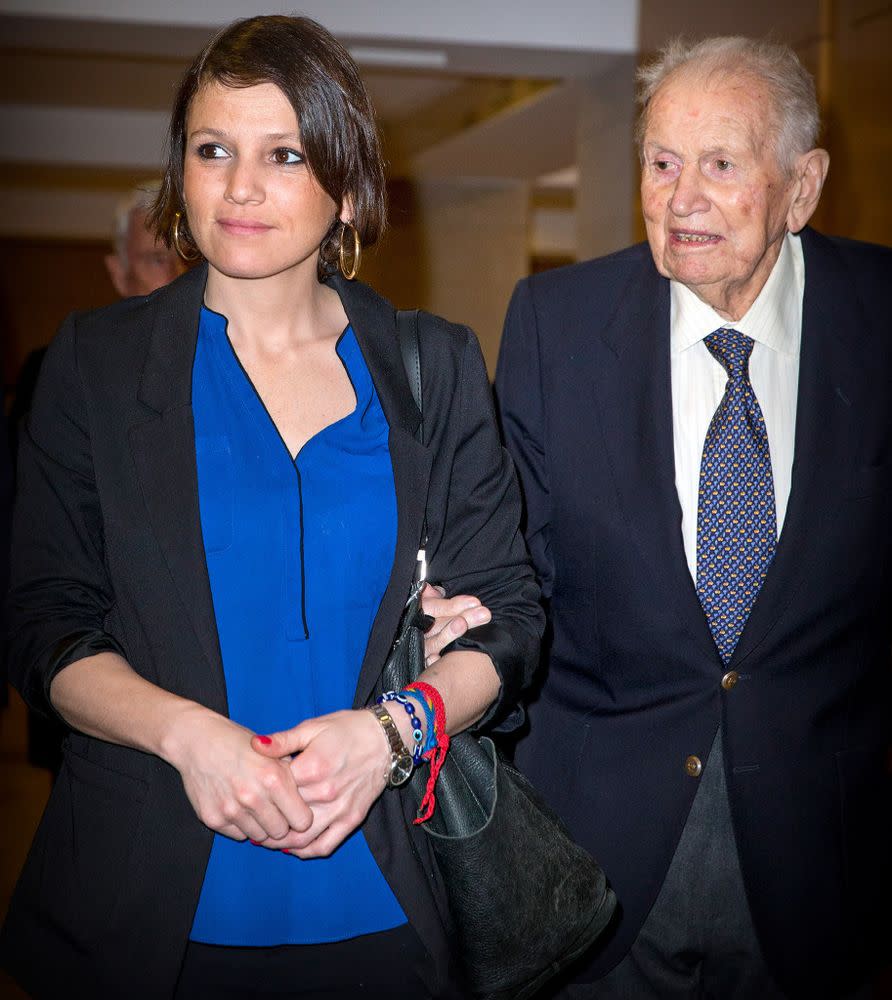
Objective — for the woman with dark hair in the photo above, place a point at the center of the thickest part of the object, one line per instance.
(221, 500)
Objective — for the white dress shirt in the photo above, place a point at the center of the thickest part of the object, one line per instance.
(774, 322)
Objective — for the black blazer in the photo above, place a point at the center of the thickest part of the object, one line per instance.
(108, 554)
(633, 681)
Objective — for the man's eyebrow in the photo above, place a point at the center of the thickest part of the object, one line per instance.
(654, 146)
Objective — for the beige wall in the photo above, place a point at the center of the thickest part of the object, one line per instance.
(456, 249)
(858, 110)
(474, 245)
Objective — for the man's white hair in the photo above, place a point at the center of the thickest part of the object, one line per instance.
(138, 199)
(794, 125)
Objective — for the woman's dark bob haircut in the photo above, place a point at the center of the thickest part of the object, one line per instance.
(337, 124)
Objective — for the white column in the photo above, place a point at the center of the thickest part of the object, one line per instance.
(474, 244)
(606, 202)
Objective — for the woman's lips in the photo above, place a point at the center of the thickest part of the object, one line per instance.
(243, 227)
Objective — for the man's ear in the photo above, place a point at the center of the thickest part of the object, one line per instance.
(116, 273)
(810, 173)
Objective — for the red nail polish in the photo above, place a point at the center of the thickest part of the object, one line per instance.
(256, 843)
(265, 740)
(290, 855)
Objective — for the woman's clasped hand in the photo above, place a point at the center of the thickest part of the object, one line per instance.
(339, 765)
(233, 789)
(302, 790)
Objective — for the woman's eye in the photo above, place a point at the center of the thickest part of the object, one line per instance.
(211, 151)
(284, 155)
(723, 166)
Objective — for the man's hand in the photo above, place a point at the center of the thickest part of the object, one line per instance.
(452, 616)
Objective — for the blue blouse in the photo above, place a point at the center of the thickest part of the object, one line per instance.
(299, 552)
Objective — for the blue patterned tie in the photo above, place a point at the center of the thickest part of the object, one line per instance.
(736, 520)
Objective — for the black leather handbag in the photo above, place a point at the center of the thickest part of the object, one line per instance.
(525, 900)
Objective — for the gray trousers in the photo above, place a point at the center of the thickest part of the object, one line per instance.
(698, 940)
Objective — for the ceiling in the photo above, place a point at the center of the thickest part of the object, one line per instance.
(87, 86)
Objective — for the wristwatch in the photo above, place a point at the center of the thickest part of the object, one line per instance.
(401, 764)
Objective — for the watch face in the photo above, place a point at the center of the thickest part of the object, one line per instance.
(401, 770)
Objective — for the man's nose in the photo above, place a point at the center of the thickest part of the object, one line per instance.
(244, 183)
(688, 195)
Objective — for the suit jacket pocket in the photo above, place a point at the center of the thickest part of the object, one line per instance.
(89, 831)
(869, 480)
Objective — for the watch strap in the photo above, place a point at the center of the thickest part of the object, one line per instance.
(400, 757)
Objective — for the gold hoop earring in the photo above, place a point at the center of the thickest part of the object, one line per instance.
(351, 272)
(175, 239)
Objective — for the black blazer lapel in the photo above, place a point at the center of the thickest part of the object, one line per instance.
(633, 395)
(374, 322)
(827, 422)
(163, 448)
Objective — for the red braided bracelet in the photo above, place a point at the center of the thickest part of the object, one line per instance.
(436, 755)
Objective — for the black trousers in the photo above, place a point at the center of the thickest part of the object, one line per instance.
(373, 966)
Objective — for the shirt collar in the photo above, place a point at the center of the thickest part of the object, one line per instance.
(774, 319)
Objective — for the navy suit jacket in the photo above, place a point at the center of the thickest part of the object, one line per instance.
(632, 682)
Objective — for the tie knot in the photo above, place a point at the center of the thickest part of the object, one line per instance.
(732, 349)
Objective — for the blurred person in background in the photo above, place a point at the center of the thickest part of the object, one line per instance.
(140, 262)
(221, 502)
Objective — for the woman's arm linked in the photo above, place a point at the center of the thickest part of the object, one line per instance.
(475, 547)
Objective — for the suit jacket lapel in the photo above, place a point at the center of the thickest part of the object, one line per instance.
(826, 431)
(374, 322)
(633, 395)
(164, 452)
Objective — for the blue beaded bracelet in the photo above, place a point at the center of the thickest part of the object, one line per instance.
(431, 740)
(417, 731)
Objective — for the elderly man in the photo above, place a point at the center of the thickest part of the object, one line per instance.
(139, 264)
(703, 429)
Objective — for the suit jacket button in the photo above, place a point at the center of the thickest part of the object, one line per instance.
(693, 766)
(730, 679)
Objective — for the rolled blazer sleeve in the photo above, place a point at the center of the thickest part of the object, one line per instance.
(59, 593)
(478, 546)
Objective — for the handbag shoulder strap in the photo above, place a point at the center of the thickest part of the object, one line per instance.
(407, 331)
